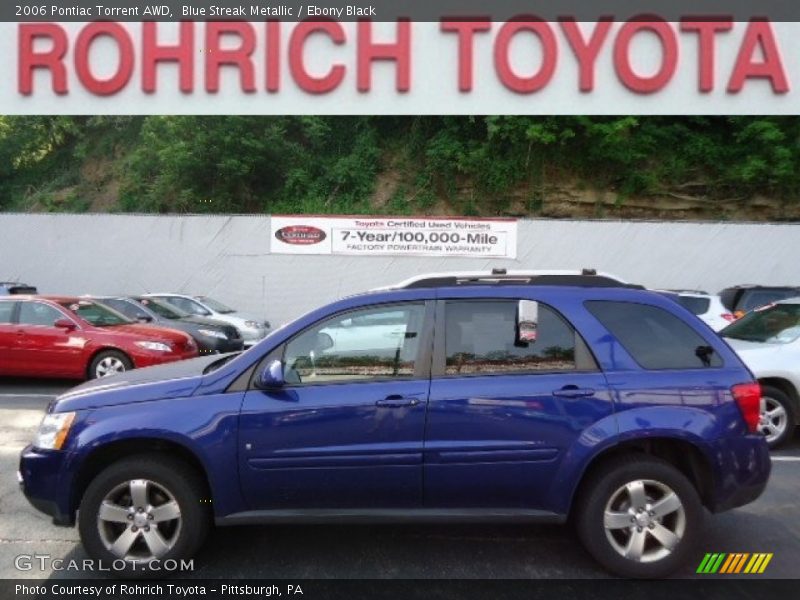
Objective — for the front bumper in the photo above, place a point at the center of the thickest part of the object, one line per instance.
(216, 346)
(39, 478)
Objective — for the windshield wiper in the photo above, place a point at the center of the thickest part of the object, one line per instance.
(217, 364)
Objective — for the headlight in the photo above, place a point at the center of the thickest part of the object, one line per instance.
(211, 333)
(253, 325)
(53, 431)
(157, 346)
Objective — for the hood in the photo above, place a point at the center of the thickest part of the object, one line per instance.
(151, 332)
(197, 320)
(171, 380)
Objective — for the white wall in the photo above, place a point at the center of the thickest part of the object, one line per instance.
(228, 257)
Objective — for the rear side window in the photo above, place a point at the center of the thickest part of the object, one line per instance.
(481, 338)
(654, 337)
(6, 311)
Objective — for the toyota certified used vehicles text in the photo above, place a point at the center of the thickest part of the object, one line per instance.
(211, 336)
(76, 338)
(252, 329)
(768, 341)
(509, 397)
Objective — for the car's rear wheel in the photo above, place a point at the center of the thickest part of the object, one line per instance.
(109, 362)
(639, 517)
(776, 419)
(142, 509)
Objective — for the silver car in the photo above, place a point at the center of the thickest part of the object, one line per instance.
(251, 328)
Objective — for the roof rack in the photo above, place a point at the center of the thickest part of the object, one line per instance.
(582, 278)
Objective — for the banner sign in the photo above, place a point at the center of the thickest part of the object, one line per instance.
(409, 236)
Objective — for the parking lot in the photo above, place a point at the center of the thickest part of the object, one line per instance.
(772, 524)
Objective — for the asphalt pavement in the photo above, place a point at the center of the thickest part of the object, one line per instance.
(771, 524)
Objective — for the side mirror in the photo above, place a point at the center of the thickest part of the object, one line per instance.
(271, 377)
(324, 342)
(65, 324)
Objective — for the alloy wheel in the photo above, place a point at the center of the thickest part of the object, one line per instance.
(772, 420)
(644, 520)
(110, 365)
(139, 520)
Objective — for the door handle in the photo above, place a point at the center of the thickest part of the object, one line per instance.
(397, 401)
(573, 391)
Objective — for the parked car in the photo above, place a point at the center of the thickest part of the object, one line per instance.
(77, 338)
(211, 336)
(252, 329)
(741, 299)
(768, 341)
(538, 398)
(708, 307)
(9, 288)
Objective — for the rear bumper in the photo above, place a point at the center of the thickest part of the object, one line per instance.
(39, 478)
(742, 473)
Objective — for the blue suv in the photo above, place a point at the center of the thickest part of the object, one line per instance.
(496, 397)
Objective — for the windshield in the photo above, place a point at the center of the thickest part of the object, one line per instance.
(95, 314)
(162, 309)
(214, 305)
(775, 324)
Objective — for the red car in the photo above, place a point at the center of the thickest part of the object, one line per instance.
(55, 336)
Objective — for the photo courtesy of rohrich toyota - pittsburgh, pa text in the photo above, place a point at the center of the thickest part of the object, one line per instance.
(442, 299)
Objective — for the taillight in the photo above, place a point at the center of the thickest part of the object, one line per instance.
(748, 397)
(729, 317)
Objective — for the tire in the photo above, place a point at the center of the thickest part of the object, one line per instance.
(134, 538)
(779, 427)
(110, 361)
(642, 477)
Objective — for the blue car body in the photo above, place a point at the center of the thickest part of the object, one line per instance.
(473, 446)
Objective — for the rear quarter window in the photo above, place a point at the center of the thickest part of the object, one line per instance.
(694, 304)
(655, 338)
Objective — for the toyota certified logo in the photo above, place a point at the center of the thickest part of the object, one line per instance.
(302, 235)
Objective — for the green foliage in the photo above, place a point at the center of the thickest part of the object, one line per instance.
(229, 164)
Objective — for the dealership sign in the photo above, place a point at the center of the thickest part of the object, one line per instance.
(523, 65)
(378, 236)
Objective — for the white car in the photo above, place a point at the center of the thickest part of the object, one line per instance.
(708, 307)
(768, 341)
(251, 328)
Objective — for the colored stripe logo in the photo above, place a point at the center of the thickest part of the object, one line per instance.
(733, 563)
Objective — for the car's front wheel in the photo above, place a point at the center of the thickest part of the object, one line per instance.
(639, 517)
(109, 362)
(143, 509)
(776, 419)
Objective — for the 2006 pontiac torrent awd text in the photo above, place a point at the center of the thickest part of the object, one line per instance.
(458, 397)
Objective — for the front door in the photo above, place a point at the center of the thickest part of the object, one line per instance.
(346, 430)
(510, 395)
(8, 338)
(44, 349)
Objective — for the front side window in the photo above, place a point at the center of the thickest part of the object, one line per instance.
(485, 337)
(36, 313)
(189, 306)
(655, 338)
(778, 324)
(367, 344)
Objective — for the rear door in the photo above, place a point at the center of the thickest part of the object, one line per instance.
(510, 394)
(8, 337)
